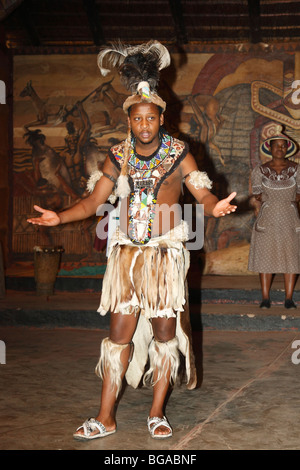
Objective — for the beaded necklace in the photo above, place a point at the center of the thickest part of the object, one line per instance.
(145, 174)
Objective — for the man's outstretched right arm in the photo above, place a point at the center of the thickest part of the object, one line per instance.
(83, 209)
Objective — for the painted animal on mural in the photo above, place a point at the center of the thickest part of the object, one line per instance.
(223, 124)
(46, 113)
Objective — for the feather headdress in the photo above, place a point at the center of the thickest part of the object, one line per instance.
(117, 53)
(139, 68)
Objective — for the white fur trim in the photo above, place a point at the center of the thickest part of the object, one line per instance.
(199, 179)
(123, 188)
(91, 183)
(112, 198)
(110, 363)
(94, 177)
(163, 358)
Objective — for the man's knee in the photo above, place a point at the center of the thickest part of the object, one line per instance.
(122, 328)
(164, 329)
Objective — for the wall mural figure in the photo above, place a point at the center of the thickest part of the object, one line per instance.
(280, 108)
(46, 113)
(223, 104)
(207, 113)
(45, 159)
(62, 173)
(113, 102)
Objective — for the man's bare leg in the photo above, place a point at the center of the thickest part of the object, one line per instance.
(164, 330)
(122, 328)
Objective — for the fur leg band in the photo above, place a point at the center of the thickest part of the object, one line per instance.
(164, 358)
(110, 362)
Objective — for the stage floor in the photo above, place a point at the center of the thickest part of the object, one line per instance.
(247, 360)
(247, 399)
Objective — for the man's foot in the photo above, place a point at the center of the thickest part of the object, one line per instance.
(265, 304)
(159, 428)
(92, 429)
(289, 304)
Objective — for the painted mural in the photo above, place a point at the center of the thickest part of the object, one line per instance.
(223, 102)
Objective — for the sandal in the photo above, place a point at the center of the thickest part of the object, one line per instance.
(154, 423)
(88, 427)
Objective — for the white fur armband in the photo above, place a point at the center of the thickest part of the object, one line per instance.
(199, 179)
(91, 183)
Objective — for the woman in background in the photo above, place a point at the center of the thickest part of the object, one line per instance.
(275, 236)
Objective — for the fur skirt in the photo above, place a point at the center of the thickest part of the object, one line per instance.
(150, 279)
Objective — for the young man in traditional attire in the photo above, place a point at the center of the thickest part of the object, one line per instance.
(144, 287)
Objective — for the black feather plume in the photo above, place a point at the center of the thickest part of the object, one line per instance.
(135, 63)
(140, 67)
